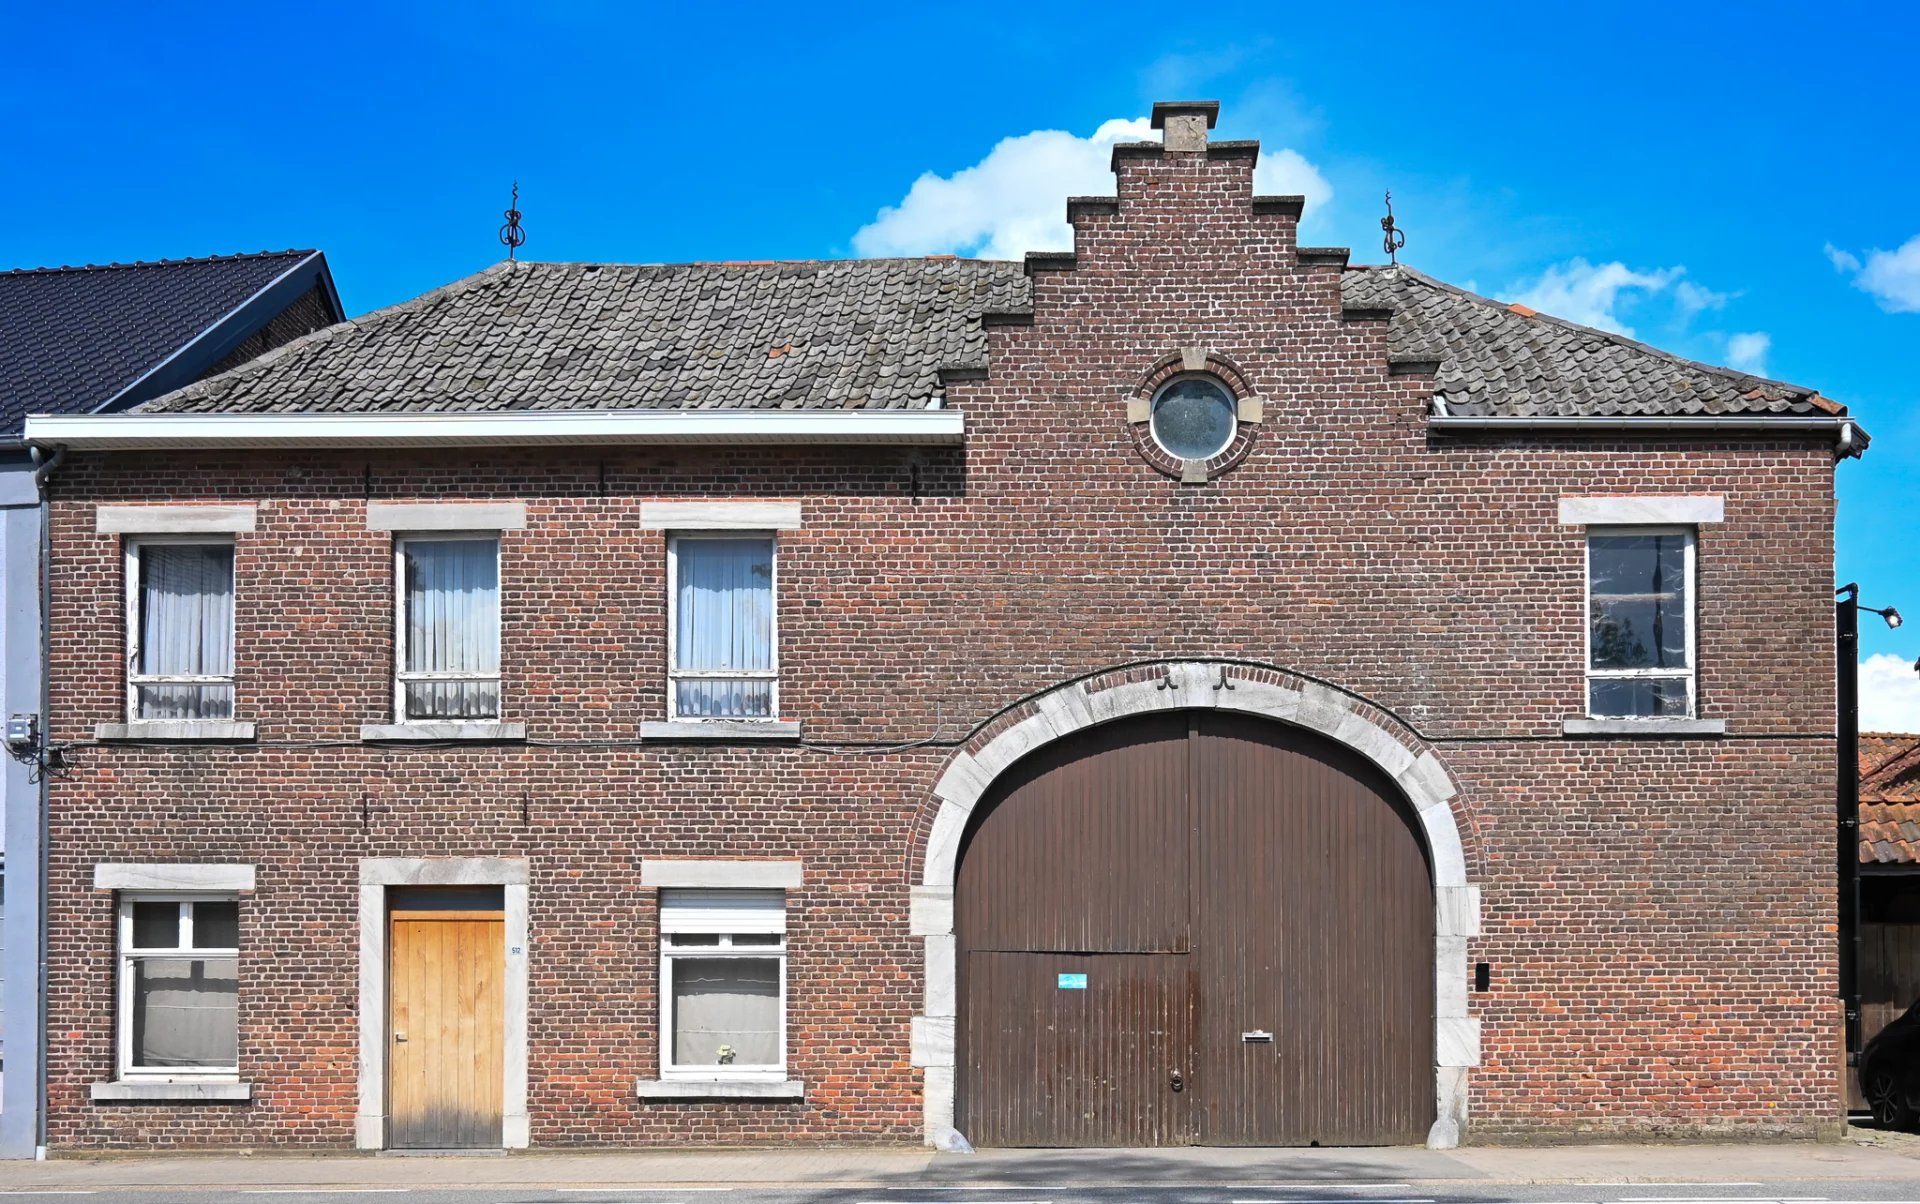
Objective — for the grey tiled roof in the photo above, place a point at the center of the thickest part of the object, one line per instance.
(855, 334)
(72, 338)
(1498, 359)
(872, 334)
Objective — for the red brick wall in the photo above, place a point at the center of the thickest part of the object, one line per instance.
(1657, 914)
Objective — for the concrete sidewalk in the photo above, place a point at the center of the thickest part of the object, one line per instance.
(1877, 1158)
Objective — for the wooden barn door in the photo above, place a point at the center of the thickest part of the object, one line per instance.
(1194, 928)
(1074, 929)
(1316, 961)
(446, 986)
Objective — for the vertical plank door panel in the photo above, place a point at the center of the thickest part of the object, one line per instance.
(1317, 928)
(1088, 1066)
(1086, 848)
(446, 984)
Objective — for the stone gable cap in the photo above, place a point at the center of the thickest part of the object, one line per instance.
(1209, 109)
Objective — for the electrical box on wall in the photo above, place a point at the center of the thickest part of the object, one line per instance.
(23, 731)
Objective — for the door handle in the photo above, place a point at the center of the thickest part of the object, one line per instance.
(399, 1038)
(1177, 1083)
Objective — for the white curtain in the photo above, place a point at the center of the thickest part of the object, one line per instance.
(453, 626)
(723, 622)
(726, 1011)
(186, 629)
(185, 1011)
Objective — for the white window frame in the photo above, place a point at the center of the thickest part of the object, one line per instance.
(1691, 605)
(676, 675)
(400, 674)
(125, 954)
(131, 567)
(727, 950)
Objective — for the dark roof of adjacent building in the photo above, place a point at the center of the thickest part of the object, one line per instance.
(74, 340)
(1889, 798)
(876, 334)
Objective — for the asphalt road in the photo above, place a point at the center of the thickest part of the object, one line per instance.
(1850, 1191)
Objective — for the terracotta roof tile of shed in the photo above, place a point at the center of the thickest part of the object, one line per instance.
(1889, 798)
(874, 334)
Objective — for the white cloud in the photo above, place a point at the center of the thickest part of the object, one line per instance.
(1692, 300)
(1015, 199)
(1889, 694)
(1592, 294)
(1286, 172)
(1891, 278)
(1748, 351)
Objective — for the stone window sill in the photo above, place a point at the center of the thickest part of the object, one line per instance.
(174, 729)
(722, 729)
(1643, 727)
(183, 1090)
(695, 1089)
(432, 733)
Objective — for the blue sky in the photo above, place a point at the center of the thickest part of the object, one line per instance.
(1714, 178)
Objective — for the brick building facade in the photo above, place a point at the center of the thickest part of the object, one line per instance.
(1633, 927)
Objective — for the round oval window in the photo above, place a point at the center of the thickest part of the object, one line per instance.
(1193, 417)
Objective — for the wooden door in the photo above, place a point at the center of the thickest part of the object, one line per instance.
(1082, 871)
(1316, 955)
(1194, 928)
(446, 985)
(1099, 1062)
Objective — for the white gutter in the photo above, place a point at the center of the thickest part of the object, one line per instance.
(1846, 434)
(134, 431)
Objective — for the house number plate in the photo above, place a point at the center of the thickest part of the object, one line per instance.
(1073, 982)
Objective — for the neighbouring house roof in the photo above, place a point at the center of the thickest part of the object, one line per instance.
(874, 334)
(1498, 359)
(847, 334)
(75, 340)
(1889, 798)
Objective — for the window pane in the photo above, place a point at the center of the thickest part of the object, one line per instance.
(1194, 418)
(452, 699)
(756, 938)
(185, 700)
(1639, 604)
(216, 925)
(681, 939)
(718, 698)
(185, 1012)
(1637, 696)
(723, 613)
(186, 628)
(453, 605)
(156, 925)
(726, 1011)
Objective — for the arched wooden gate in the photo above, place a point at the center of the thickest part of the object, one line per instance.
(1195, 928)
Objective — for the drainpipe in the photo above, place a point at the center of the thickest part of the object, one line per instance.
(1846, 625)
(44, 466)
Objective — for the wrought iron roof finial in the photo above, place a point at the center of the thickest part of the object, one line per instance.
(1396, 238)
(511, 235)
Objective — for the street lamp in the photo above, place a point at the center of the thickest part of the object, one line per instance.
(1891, 615)
(1846, 624)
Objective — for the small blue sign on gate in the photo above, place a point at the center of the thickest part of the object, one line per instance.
(1073, 982)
